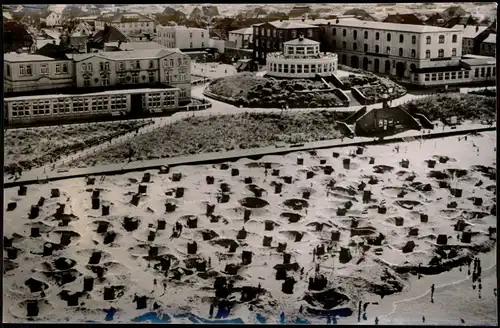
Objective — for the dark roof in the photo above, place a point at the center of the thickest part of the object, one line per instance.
(460, 20)
(403, 19)
(53, 51)
(434, 19)
(110, 34)
(454, 11)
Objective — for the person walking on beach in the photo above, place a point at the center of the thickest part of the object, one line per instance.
(376, 320)
(328, 320)
(432, 293)
(423, 319)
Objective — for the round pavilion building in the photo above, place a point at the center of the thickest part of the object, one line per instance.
(301, 59)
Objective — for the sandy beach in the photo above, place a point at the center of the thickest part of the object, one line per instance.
(303, 215)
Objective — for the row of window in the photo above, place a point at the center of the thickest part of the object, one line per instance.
(263, 32)
(302, 50)
(104, 66)
(446, 76)
(27, 69)
(64, 106)
(401, 50)
(301, 68)
(428, 39)
(159, 100)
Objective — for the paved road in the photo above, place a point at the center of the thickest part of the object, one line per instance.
(218, 108)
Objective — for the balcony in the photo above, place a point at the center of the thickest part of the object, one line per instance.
(279, 55)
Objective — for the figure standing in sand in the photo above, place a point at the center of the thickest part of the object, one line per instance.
(432, 293)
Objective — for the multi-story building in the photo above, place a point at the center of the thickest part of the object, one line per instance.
(165, 66)
(269, 37)
(301, 58)
(24, 72)
(470, 33)
(129, 23)
(400, 50)
(182, 37)
(53, 19)
(242, 38)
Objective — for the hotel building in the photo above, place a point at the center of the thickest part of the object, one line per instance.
(182, 37)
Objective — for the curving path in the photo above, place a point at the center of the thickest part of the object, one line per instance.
(218, 108)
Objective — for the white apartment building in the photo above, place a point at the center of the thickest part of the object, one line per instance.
(182, 37)
(406, 52)
(25, 72)
(53, 19)
(129, 23)
(242, 38)
(167, 66)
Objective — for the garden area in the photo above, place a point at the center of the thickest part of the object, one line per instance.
(466, 107)
(369, 84)
(34, 147)
(195, 135)
(249, 90)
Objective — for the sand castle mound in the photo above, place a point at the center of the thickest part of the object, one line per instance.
(253, 202)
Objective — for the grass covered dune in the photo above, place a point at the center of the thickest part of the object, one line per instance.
(196, 135)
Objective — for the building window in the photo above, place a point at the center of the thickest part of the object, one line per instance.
(203, 44)
(105, 81)
(344, 44)
(355, 34)
(441, 39)
(388, 50)
(137, 64)
(306, 68)
(309, 33)
(366, 34)
(294, 34)
(89, 67)
(190, 44)
(466, 74)
(413, 39)
(44, 69)
(135, 78)
(334, 31)
(299, 69)
(344, 32)
(202, 34)
(8, 70)
(64, 68)
(427, 77)
(365, 47)
(377, 49)
(401, 38)
(122, 66)
(476, 72)
(182, 77)
(441, 53)
(413, 53)
(354, 46)
(428, 40)
(313, 68)
(440, 76)
(106, 66)
(171, 63)
(268, 32)
(377, 36)
(459, 74)
(427, 54)
(454, 38)
(433, 76)
(101, 66)
(482, 71)
(86, 82)
(190, 35)
(415, 76)
(400, 52)
(388, 37)
(292, 68)
(285, 68)
(453, 75)
(488, 72)
(454, 52)
(280, 68)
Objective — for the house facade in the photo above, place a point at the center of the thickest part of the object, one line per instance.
(53, 19)
(398, 50)
(269, 37)
(182, 37)
(129, 23)
(242, 38)
(23, 72)
(165, 66)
